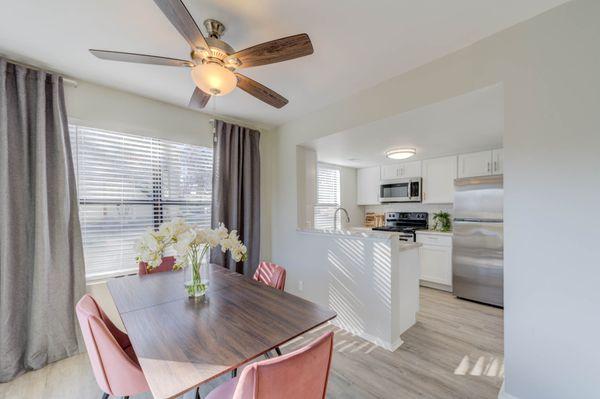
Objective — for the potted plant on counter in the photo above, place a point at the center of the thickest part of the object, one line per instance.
(441, 221)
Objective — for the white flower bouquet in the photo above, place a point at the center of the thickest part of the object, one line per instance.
(189, 244)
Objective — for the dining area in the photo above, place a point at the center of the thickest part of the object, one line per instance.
(175, 343)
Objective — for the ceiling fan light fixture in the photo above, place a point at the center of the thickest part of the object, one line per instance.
(214, 79)
(400, 153)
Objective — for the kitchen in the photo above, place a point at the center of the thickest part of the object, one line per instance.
(431, 179)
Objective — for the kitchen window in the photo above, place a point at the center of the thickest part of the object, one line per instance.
(328, 196)
(127, 183)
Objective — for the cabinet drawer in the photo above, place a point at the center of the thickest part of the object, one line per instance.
(434, 239)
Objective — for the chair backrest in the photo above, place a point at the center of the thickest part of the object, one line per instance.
(165, 266)
(87, 308)
(271, 274)
(116, 373)
(301, 374)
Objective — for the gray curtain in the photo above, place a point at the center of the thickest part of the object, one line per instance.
(236, 191)
(41, 254)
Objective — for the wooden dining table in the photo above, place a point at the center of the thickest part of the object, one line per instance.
(182, 343)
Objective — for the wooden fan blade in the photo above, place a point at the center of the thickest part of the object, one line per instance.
(199, 99)
(182, 20)
(140, 58)
(259, 91)
(283, 49)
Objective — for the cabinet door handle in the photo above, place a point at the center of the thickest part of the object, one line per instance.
(489, 167)
(495, 166)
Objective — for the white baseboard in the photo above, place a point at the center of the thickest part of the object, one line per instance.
(503, 395)
(390, 346)
(434, 285)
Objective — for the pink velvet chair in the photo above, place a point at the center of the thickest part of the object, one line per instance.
(113, 360)
(271, 274)
(301, 374)
(165, 266)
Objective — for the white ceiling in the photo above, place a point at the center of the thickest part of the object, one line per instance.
(471, 122)
(357, 43)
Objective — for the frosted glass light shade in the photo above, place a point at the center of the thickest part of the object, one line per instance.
(400, 153)
(213, 79)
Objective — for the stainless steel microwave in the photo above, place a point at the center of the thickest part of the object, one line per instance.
(400, 190)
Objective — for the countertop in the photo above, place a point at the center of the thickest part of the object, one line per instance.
(435, 232)
(363, 233)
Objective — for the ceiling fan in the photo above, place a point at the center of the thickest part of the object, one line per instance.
(214, 62)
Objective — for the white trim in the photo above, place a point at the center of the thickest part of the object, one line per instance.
(390, 346)
(435, 285)
(503, 395)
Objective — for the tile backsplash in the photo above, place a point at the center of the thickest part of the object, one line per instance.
(411, 207)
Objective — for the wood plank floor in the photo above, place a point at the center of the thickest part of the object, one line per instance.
(454, 351)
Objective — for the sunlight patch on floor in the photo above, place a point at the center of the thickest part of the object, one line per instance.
(485, 366)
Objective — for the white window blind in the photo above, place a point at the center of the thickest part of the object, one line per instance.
(328, 196)
(127, 183)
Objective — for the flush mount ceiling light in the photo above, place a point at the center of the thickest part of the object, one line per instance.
(400, 153)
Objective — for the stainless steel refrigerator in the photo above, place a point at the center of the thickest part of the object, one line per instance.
(478, 242)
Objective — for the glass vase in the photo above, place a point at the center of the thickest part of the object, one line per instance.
(196, 283)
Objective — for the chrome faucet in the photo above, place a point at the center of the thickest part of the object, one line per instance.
(335, 217)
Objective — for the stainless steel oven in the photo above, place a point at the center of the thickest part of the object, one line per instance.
(400, 190)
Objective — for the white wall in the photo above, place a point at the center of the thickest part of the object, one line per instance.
(306, 178)
(549, 67)
(105, 108)
(348, 198)
(306, 190)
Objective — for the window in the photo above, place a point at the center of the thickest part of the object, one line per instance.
(328, 196)
(127, 183)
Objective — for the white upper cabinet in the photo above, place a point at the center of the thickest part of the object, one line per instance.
(367, 186)
(397, 171)
(483, 163)
(475, 164)
(389, 172)
(438, 180)
(498, 162)
(411, 169)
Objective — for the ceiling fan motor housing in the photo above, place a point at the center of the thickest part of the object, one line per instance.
(214, 28)
(218, 49)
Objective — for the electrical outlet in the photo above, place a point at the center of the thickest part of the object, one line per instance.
(300, 286)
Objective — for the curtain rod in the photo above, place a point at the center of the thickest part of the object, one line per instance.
(68, 81)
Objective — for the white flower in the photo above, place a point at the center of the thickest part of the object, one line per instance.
(222, 231)
(201, 237)
(212, 238)
(150, 241)
(181, 249)
(155, 260)
(181, 239)
(171, 231)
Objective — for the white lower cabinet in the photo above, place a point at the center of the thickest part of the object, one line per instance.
(436, 260)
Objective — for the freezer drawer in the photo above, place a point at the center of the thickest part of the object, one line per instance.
(477, 261)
